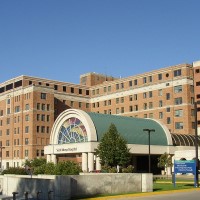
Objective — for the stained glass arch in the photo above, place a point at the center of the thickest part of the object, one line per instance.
(72, 131)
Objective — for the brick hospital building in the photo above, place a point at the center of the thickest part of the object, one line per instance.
(30, 105)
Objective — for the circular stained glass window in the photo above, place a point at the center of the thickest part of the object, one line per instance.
(72, 131)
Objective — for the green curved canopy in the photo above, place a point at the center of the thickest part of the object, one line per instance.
(130, 128)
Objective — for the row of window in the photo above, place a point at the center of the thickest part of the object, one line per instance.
(131, 83)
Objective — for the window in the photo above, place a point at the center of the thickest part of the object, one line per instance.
(26, 117)
(72, 90)
(105, 89)
(64, 89)
(178, 125)
(48, 118)
(27, 107)
(38, 129)
(150, 105)
(130, 83)
(43, 106)
(26, 141)
(117, 110)
(160, 103)
(151, 115)
(43, 118)
(136, 108)
(117, 86)
(93, 92)
(80, 104)
(8, 111)
(145, 106)
(43, 95)
(38, 106)
(109, 102)
(43, 129)
(8, 121)
(38, 117)
(160, 92)
(159, 76)
(192, 112)
(122, 85)
(167, 96)
(109, 88)
(168, 109)
(122, 99)
(178, 89)
(135, 82)
(97, 91)
(178, 101)
(38, 152)
(168, 120)
(7, 143)
(26, 129)
(178, 113)
(145, 80)
(7, 131)
(17, 109)
(144, 95)
(72, 104)
(26, 153)
(177, 72)
(150, 94)
(197, 70)
(8, 101)
(135, 96)
(122, 109)
(198, 83)
(117, 100)
(131, 98)
(145, 115)
(1, 112)
(87, 92)
(7, 155)
(130, 108)
(150, 79)
(160, 115)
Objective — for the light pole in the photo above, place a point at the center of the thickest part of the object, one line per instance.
(196, 143)
(149, 134)
(1, 155)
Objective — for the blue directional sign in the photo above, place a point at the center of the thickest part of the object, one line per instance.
(185, 166)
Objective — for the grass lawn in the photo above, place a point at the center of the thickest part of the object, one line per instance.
(166, 184)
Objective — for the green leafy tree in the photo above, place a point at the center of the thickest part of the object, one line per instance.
(113, 149)
(165, 161)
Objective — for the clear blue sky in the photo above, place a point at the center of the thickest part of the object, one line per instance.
(62, 39)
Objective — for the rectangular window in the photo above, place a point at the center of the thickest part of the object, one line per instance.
(80, 91)
(168, 120)
(135, 96)
(178, 89)
(150, 105)
(160, 92)
(43, 95)
(151, 115)
(178, 101)
(145, 80)
(87, 105)
(7, 131)
(144, 95)
(105, 89)
(160, 103)
(117, 86)
(117, 100)
(64, 89)
(80, 104)
(26, 153)
(178, 113)
(72, 90)
(145, 106)
(43, 118)
(130, 83)
(150, 94)
(159, 76)
(136, 108)
(130, 108)
(122, 99)
(135, 82)
(122, 109)
(168, 109)
(160, 115)
(17, 109)
(26, 117)
(43, 106)
(131, 98)
(177, 72)
(150, 79)
(122, 85)
(27, 107)
(167, 96)
(26, 141)
(178, 125)
(109, 88)
(26, 129)
(38, 106)
(117, 110)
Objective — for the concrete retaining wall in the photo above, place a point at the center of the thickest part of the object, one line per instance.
(65, 187)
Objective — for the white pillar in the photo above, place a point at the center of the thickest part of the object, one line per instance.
(48, 158)
(90, 162)
(98, 164)
(53, 158)
(84, 162)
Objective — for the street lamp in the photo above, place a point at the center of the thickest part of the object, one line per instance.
(196, 143)
(1, 155)
(149, 133)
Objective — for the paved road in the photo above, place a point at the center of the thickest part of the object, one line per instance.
(187, 194)
(183, 195)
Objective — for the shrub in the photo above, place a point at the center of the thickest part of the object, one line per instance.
(15, 170)
(128, 169)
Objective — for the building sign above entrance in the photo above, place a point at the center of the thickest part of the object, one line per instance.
(64, 150)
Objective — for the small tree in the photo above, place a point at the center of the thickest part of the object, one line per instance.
(165, 161)
(113, 149)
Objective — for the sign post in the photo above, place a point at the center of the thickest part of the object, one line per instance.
(185, 167)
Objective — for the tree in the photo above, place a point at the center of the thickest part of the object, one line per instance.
(165, 161)
(113, 149)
